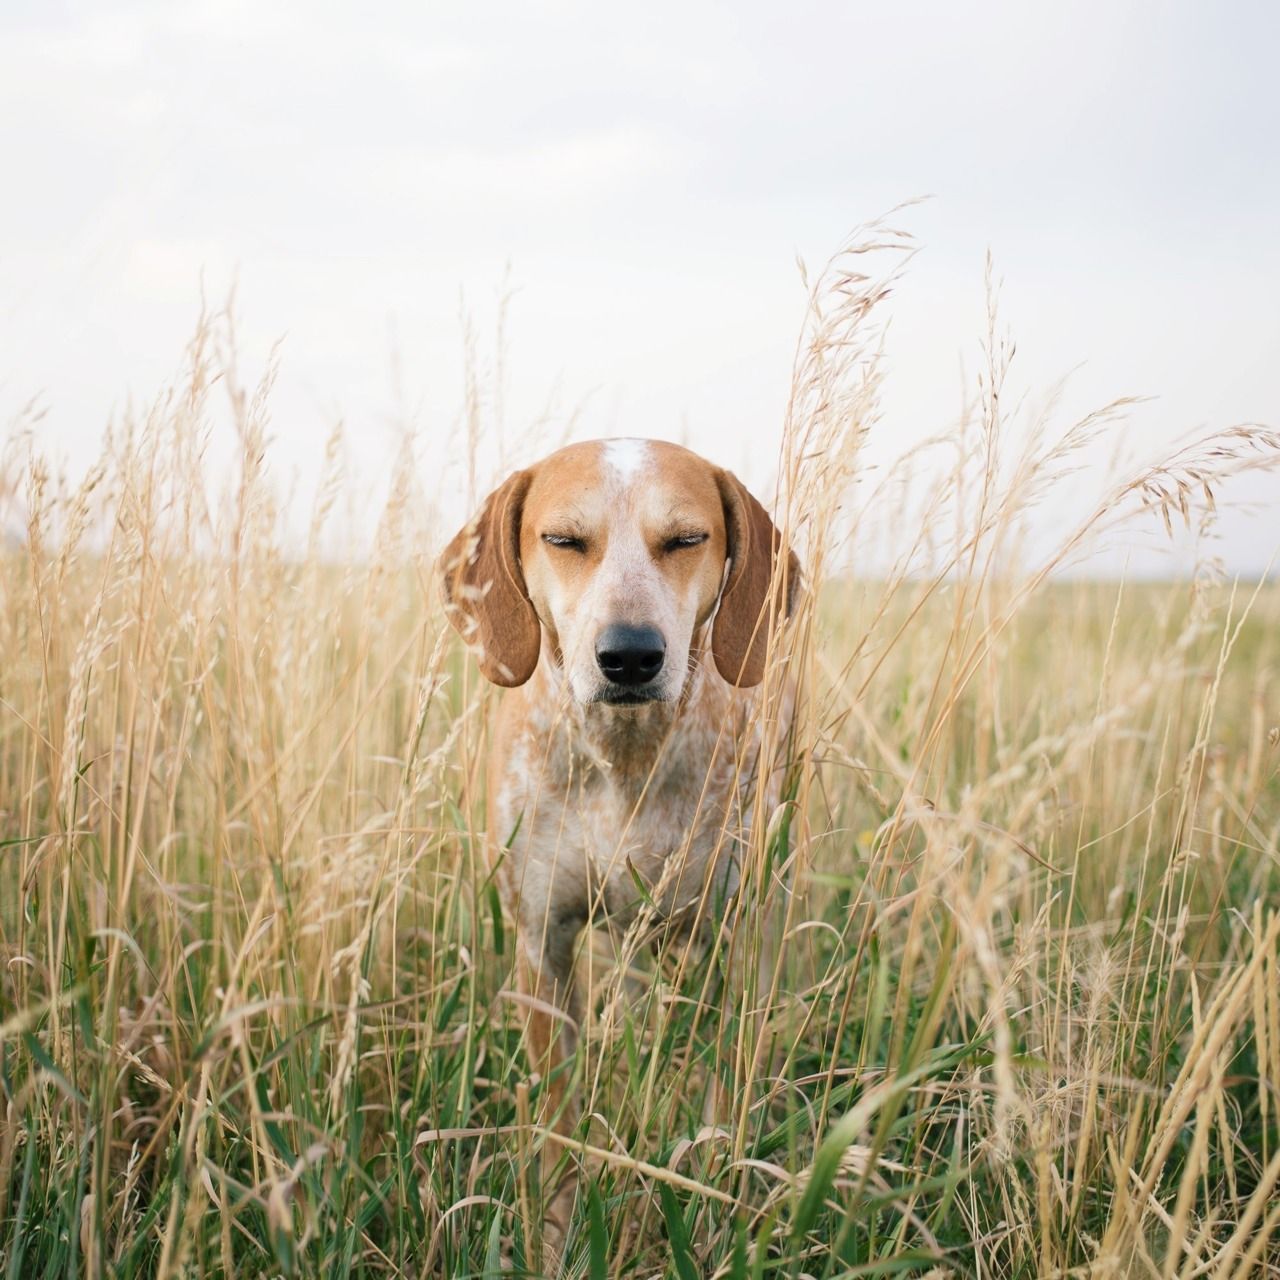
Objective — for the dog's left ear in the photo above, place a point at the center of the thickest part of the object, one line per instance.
(762, 575)
(483, 586)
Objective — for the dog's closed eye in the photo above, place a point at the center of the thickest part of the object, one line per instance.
(569, 541)
(685, 540)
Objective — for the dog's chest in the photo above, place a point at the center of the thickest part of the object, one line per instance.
(599, 828)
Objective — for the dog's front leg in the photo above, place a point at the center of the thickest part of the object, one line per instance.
(551, 1032)
(551, 1029)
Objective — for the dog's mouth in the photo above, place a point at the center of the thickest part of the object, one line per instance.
(618, 695)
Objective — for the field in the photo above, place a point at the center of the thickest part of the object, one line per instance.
(1000, 994)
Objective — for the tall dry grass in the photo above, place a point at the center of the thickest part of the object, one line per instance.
(1019, 1007)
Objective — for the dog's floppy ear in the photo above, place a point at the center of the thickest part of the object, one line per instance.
(483, 586)
(740, 633)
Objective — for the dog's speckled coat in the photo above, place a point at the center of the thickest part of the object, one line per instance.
(585, 789)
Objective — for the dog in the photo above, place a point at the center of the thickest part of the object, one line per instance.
(623, 593)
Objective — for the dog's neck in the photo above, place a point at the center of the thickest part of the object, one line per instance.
(627, 743)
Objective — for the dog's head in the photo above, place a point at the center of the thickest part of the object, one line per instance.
(615, 553)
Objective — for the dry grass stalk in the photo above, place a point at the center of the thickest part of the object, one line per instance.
(1000, 993)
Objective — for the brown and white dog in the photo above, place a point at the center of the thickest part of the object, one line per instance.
(623, 591)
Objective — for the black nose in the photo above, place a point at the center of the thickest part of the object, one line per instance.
(630, 655)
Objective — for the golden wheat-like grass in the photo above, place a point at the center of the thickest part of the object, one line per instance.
(1000, 994)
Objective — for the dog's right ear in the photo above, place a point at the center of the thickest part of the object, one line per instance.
(483, 586)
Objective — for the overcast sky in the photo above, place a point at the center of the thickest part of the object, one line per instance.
(650, 173)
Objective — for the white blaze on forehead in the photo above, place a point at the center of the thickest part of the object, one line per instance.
(626, 458)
